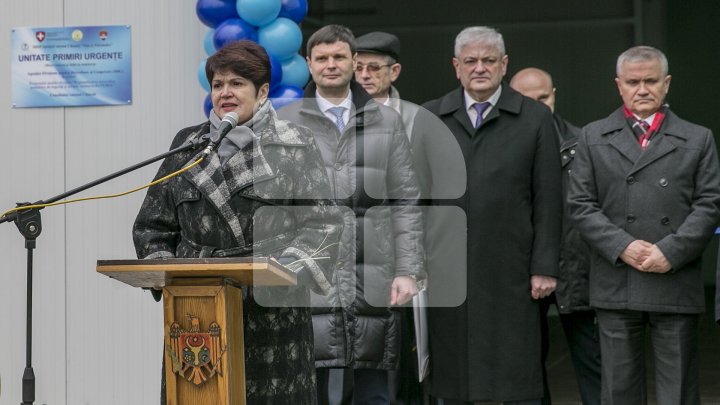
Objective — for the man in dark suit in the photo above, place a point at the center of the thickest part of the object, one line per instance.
(571, 296)
(645, 194)
(484, 318)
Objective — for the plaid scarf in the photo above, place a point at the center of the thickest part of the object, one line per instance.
(640, 128)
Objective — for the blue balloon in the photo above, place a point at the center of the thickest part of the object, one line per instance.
(231, 30)
(276, 73)
(295, 10)
(207, 105)
(208, 42)
(258, 12)
(281, 38)
(295, 72)
(284, 95)
(202, 77)
(214, 12)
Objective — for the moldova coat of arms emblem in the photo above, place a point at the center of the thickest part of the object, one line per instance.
(195, 355)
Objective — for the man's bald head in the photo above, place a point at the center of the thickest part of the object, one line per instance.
(536, 84)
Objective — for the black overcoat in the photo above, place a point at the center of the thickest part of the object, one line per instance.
(488, 348)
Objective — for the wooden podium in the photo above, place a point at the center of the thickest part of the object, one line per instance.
(203, 320)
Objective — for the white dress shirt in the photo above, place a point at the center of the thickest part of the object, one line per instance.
(325, 105)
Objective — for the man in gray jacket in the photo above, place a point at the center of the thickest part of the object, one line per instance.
(367, 158)
(645, 195)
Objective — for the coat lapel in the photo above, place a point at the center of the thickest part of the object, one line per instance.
(509, 101)
(621, 136)
(462, 117)
(625, 142)
(247, 166)
(208, 177)
(454, 104)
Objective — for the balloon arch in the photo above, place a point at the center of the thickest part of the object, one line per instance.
(272, 24)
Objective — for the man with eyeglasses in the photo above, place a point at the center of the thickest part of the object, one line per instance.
(487, 347)
(378, 66)
(437, 160)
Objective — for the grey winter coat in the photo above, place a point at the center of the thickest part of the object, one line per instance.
(668, 195)
(267, 200)
(371, 176)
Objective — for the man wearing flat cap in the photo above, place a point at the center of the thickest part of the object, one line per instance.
(378, 67)
(439, 165)
(436, 153)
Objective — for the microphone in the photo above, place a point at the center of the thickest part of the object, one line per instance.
(229, 121)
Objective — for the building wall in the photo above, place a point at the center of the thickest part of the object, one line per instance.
(95, 340)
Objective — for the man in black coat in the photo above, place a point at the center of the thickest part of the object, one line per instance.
(484, 318)
(572, 293)
(645, 195)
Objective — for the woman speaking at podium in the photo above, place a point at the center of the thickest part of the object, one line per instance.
(262, 194)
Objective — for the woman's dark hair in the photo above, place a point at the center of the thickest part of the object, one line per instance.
(244, 58)
(330, 34)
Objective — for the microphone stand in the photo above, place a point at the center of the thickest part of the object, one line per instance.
(29, 224)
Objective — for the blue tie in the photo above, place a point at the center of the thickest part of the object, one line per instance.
(338, 113)
(480, 108)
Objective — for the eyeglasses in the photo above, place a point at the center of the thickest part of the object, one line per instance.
(372, 68)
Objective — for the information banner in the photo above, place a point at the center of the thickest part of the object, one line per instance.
(71, 66)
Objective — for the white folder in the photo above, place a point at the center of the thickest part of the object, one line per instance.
(421, 333)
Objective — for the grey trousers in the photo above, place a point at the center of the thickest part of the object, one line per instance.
(674, 339)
